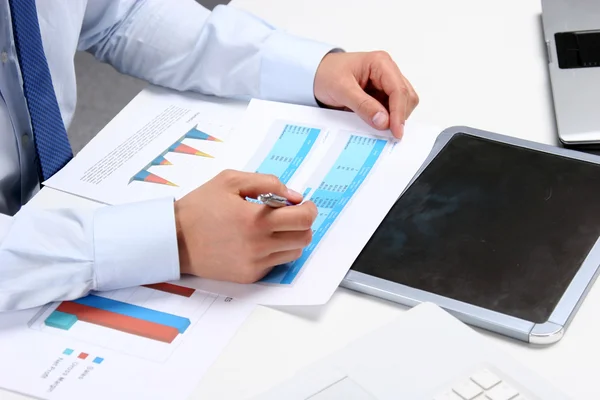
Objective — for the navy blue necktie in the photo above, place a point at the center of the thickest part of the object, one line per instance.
(50, 136)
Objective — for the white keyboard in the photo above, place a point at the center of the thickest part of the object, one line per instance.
(484, 384)
(388, 364)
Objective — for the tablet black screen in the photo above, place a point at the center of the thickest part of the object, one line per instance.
(493, 225)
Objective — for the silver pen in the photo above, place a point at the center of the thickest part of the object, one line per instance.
(274, 201)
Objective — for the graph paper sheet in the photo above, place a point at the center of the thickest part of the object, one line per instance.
(167, 144)
(152, 342)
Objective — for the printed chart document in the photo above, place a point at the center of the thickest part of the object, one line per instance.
(353, 174)
(148, 342)
(167, 144)
(163, 144)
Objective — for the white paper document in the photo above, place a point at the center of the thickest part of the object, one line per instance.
(163, 144)
(151, 342)
(352, 172)
(5, 222)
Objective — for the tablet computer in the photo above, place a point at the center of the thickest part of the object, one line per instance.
(502, 233)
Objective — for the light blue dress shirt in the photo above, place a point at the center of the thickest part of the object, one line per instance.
(63, 254)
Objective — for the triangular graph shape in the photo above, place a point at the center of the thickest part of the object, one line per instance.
(160, 160)
(145, 176)
(196, 133)
(185, 149)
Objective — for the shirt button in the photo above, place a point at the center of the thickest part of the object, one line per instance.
(25, 139)
(4, 57)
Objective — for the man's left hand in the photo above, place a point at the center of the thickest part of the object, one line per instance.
(370, 84)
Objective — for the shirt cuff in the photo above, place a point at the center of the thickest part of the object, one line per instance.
(289, 66)
(135, 244)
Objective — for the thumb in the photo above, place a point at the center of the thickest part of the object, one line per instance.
(254, 184)
(369, 109)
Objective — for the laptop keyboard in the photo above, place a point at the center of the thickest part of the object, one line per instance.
(483, 384)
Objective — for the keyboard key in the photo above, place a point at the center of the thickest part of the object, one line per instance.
(343, 389)
(485, 379)
(449, 395)
(503, 391)
(468, 390)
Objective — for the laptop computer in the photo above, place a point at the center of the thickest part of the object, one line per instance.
(572, 35)
(425, 354)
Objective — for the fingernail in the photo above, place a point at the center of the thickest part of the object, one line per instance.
(401, 129)
(293, 193)
(380, 119)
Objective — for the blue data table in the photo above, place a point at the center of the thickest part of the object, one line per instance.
(339, 185)
(289, 151)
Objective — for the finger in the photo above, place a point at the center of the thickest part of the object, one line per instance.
(286, 241)
(282, 257)
(413, 98)
(369, 109)
(391, 81)
(252, 185)
(294, 218)
(398, 111)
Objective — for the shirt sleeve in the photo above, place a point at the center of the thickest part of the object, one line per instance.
(52, 255)
(182, 45)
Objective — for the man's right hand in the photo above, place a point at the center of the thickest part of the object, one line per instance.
(223, 236)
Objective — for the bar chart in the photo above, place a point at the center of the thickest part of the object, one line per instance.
(146, 176)
(125, 317)
(196, 133)
(173, 289)
(179, 147)
(147, 321)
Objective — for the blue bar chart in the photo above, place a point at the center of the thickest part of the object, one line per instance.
(118, 315)
(144, 321)
(135, 311)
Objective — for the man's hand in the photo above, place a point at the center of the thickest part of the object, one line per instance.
(222, 236)
(370, 84)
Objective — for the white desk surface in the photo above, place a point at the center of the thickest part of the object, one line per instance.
(473, 62)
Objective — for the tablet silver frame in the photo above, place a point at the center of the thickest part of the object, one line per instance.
(543, 334)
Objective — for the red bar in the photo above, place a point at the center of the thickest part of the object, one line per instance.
(122, 323)
(83, 356)
(173, 289)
